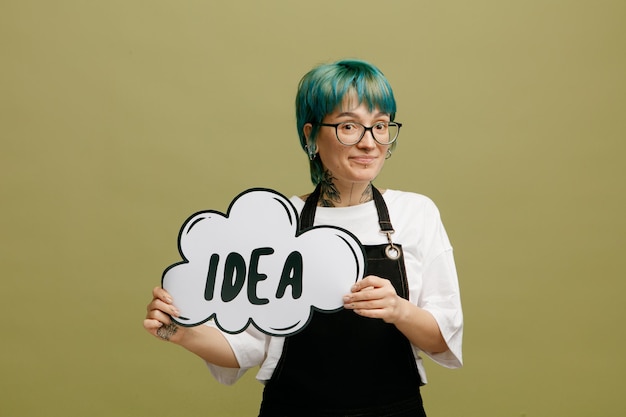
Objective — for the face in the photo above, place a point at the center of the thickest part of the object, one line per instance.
(359, 163)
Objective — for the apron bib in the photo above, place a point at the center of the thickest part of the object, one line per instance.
(342, 364)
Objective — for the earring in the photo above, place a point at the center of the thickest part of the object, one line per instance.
(310, 151)
(388, 154)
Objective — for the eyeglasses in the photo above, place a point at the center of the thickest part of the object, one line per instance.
(351, 133)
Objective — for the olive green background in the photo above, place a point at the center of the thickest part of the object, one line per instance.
(118, 119)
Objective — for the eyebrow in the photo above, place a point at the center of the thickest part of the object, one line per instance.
(350, 114)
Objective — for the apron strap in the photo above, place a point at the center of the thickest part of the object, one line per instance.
(383, 212)
(308, 212)
(307, 216)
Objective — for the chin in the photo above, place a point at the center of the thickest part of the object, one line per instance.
(364, 178)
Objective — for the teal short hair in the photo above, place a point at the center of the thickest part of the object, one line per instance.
(323, 89)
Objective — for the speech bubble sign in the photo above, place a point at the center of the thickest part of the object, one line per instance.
(253, 266)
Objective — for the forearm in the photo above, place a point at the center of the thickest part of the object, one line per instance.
(375, 297)
(420, 327)
(209, 344)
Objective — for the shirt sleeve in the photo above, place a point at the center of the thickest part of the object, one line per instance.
(440, 293)
(249, 347)
(445, 306)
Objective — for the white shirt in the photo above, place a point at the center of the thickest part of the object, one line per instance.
(431, 274)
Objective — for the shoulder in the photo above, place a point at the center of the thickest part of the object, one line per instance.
(411, 207)
(403, 198)
(417, 215)
(298, 201)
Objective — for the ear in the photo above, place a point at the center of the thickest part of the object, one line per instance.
(310, 149)
(306, 129)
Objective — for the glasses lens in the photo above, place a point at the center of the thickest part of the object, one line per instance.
(385, 133)
(349, 133)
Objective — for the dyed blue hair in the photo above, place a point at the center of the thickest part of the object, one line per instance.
(323, 89)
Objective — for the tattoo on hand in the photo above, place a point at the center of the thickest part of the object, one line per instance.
(166, 331)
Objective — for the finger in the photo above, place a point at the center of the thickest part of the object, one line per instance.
(380, 298)
(369, 282)
(161, 330)
(152, 325)
(158, 304)
(159, 315)
(161, 294)
(364, 294)
(368, 305)
(372, 313)
(367, 294)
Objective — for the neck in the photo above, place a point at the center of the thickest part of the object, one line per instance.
(334, 194)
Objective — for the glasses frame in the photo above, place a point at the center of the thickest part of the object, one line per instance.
(365, 129)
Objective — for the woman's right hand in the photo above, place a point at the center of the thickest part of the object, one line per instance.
(205, 341)
(158, 321)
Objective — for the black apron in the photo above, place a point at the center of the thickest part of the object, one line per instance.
(342, 364)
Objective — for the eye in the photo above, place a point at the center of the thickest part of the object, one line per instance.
(380, 126)
(348, 127)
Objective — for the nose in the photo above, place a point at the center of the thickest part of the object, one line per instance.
(367, 141)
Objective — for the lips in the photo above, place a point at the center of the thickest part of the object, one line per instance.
(363, 160)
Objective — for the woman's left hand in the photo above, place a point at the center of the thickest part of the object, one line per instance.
(375, 297)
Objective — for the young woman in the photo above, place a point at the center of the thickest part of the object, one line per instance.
(365, 359)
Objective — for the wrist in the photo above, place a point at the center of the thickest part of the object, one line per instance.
(403, 311)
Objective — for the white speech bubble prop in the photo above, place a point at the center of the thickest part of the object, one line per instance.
(251, 266)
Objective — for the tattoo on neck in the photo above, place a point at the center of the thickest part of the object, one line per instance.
(329, 195)
(368, 194)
